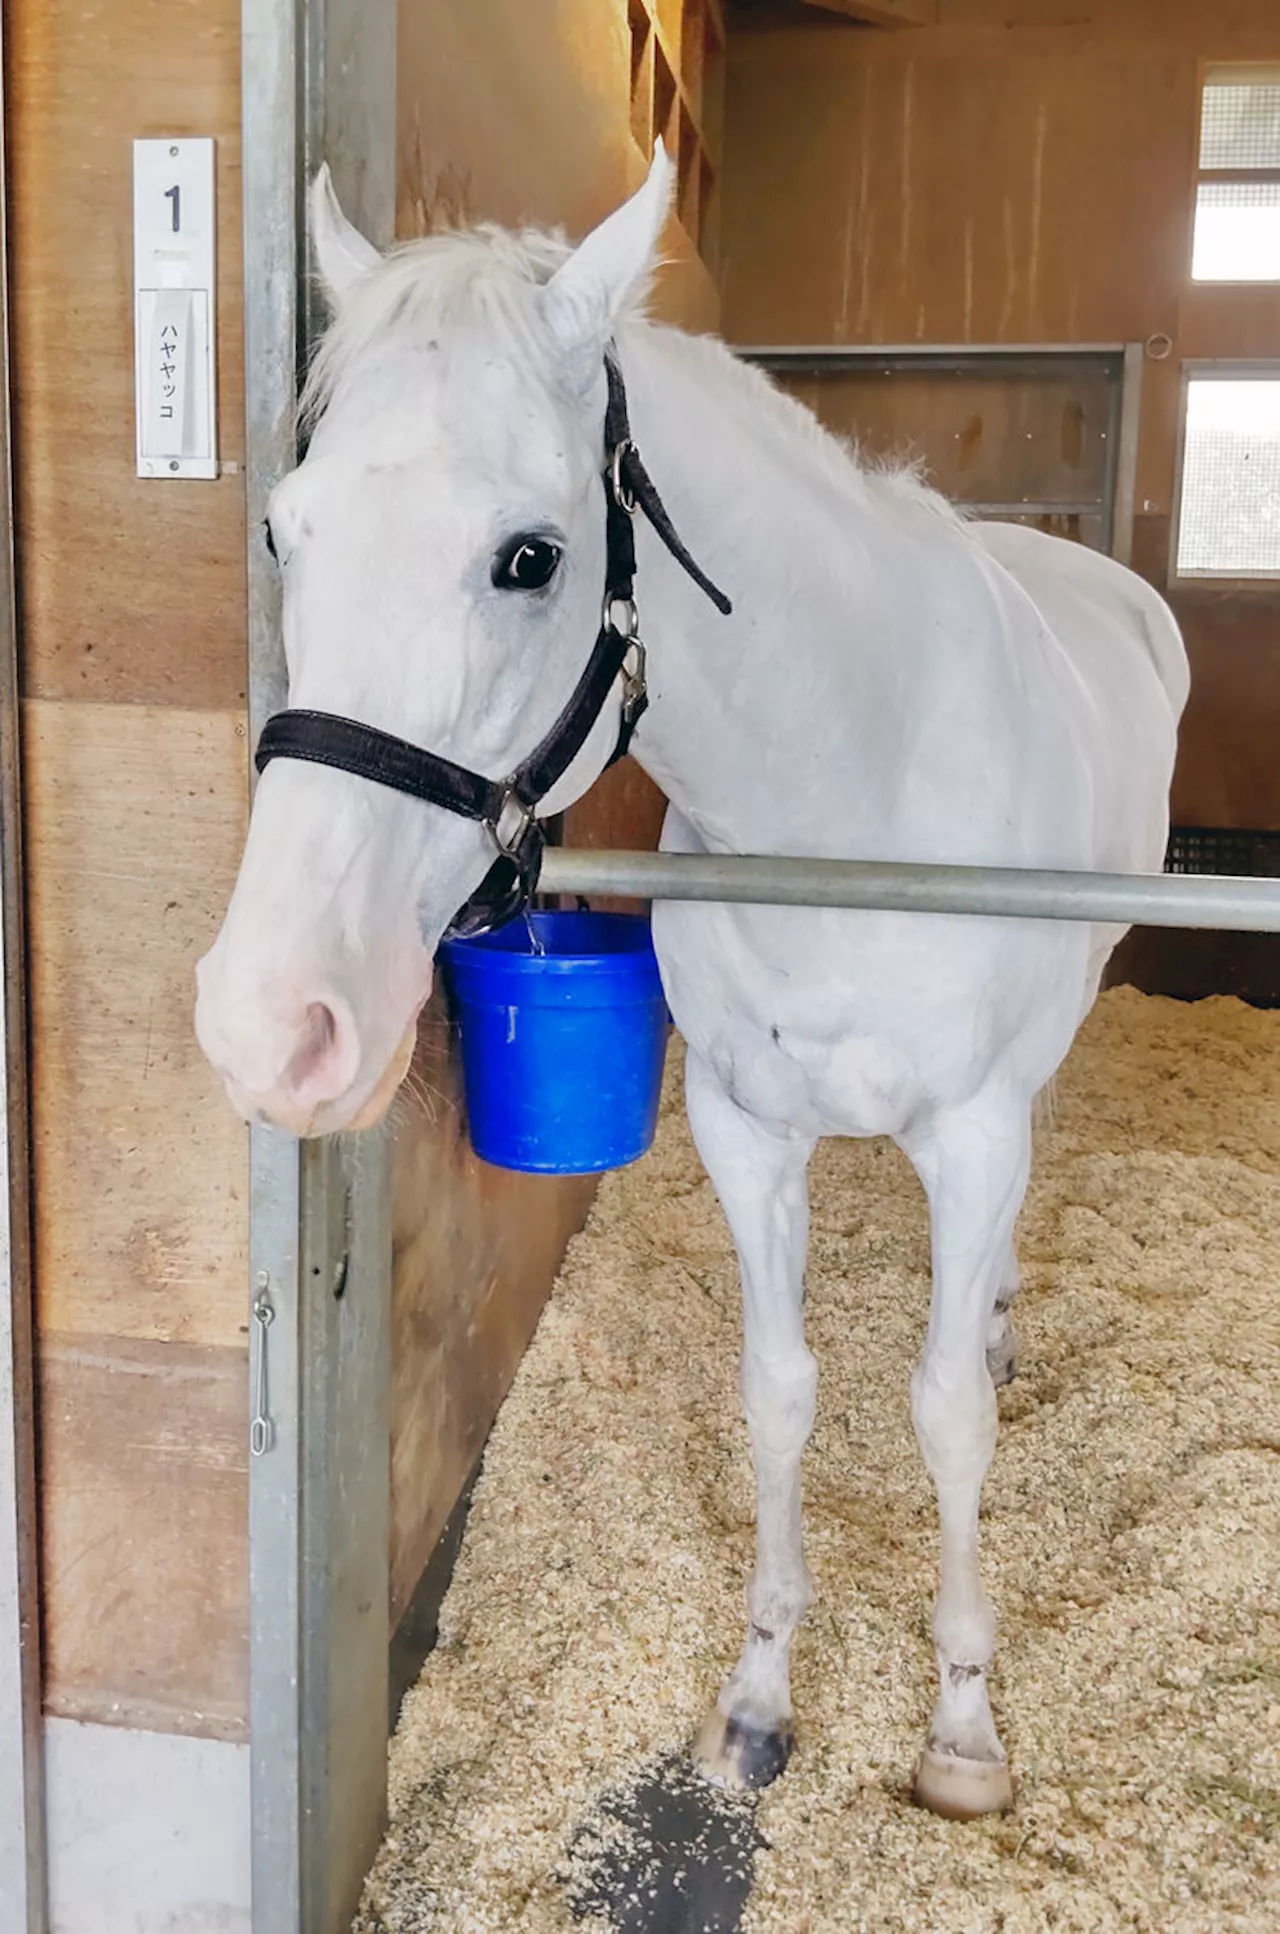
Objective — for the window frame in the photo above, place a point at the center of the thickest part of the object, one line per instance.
(1223, 369)
(1226, 74)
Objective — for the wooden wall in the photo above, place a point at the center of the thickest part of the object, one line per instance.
(503, 120)
(1020, 172)
(132, 643)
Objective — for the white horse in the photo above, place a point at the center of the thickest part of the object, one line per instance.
(893, 683)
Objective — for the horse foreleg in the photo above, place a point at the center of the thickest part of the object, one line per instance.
(974, 1165)
(760, 1176)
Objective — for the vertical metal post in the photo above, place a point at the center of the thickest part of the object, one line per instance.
(1125, 458)
(318, 84)
(23, 1867)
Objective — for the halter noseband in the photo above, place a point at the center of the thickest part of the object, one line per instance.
(508, 807)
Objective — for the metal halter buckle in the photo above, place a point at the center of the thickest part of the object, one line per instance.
(625, 499)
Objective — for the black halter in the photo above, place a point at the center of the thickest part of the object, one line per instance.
(507, 807)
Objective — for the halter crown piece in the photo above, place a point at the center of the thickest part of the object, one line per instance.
(508, 807)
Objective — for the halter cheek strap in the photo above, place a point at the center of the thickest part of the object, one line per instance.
(507, 807)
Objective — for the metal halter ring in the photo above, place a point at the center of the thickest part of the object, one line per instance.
(630, 626)
(625, 499)
(507, 834)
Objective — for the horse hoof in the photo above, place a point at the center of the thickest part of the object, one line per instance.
(962, 1789)
(741, 1757)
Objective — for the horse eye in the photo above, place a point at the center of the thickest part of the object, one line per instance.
(526, 565)
(270, 540)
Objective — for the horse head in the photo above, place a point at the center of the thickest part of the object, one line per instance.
(442, 552)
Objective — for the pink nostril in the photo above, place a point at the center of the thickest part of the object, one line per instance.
(324, 1063)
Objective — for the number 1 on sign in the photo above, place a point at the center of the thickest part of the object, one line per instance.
(174, 195)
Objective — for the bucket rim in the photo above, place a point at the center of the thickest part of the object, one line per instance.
(481, 951)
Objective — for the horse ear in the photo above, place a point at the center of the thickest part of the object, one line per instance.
(588, 293)
(342, 254)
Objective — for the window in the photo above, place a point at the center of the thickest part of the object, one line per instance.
(1237, 227)
(1229, 514)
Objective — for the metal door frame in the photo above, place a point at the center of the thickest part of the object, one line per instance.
(318, 84)
(1123, 363)
(23, 1878)
(1224, 369)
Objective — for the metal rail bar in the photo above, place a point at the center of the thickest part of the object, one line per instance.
(915, 353)
(1140, 899)
(1123, 465)
(1035, 507)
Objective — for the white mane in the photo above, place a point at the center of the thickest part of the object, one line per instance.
(899, 477)
(424, 289)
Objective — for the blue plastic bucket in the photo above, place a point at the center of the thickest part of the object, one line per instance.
(562, 1048)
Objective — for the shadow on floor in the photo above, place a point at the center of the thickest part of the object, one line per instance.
(667, 1854)
(414, 1638)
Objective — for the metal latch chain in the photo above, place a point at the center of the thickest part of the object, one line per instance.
(262, 1432)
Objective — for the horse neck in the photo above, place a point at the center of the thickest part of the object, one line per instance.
(775, 512)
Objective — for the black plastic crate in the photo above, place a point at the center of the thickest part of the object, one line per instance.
(1226, 851)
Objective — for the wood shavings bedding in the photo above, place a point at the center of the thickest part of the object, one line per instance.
(1131, 1538)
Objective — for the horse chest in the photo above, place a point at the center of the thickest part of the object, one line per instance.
(854, 1086)
(850, 1084)
(820, 1042)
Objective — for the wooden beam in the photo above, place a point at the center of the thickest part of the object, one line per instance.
(884, 13)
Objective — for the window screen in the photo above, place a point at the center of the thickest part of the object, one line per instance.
(1237, 222)
(1229, 521)
(1240, 123)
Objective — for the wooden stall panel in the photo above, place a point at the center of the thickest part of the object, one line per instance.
(131, 589)
(1227, 768)
(145, 1535)
(894, 189)
(132, 654)
(475, 1250)
(135, 819)
(501, 120)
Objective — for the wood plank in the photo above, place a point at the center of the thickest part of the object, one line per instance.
(135, 819)
(475, 1252)
(883, 13)
(145, 1497)
(501, 122)
(623, 808)
(1227, 769)
(900, 188)
(130, 589)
